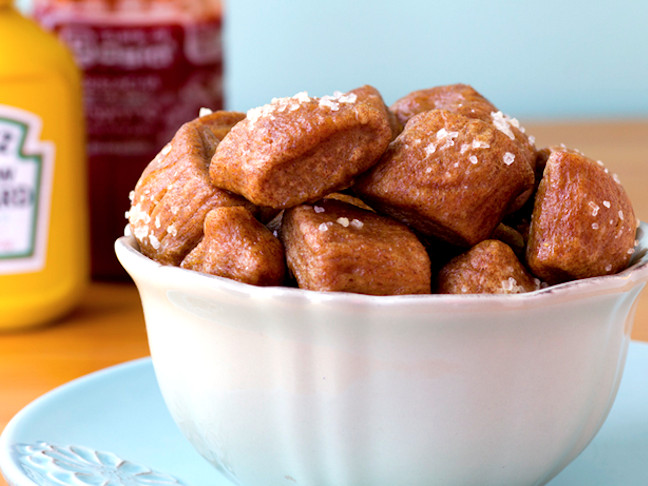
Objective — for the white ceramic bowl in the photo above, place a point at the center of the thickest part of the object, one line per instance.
(282, 387)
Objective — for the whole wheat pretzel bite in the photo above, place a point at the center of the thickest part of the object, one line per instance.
(490, 267)
(298, 149)
(450, 176)
(583, 224)
(458, 98)
(335, 246)
(464, 100)
(174, 192)
(236, 245)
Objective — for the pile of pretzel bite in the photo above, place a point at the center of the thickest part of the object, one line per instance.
(439, 193)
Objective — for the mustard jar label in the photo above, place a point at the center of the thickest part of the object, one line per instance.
(26, 170)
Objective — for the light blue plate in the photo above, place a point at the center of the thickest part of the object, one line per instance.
(111, 428)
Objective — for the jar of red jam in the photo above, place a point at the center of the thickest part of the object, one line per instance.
(148, 66)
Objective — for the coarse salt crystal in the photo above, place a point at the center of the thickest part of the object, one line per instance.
(473, 159)
(442, 133)
(503, 123)
(172, 230)
(539, 284)
(329, 102)
(595, 226)
(607, 204)
(356, 223)
(302, 97)
(347, 98)
(478, 144)
(616, 178)
(157, 222)
(155, 243)
(595, 208)
(323, 227)
(430, 149)
(277, 105)
(608, 267)
(447, 137)
(318, 209)
(204, 111)
(166, 149)
(136, 215)
(141, 232)
(509, 158)
(511, 286)
(343, 221)
(621, 215)
(255, 114)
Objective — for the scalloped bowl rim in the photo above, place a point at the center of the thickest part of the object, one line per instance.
(637, 272)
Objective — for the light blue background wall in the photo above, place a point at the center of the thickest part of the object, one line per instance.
(540, 59)
(533, 59)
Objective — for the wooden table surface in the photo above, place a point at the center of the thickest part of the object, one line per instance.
(108, 327)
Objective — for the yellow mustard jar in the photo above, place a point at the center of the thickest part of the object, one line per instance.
(43, 201)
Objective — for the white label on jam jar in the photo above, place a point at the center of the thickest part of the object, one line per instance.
(26, 170)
